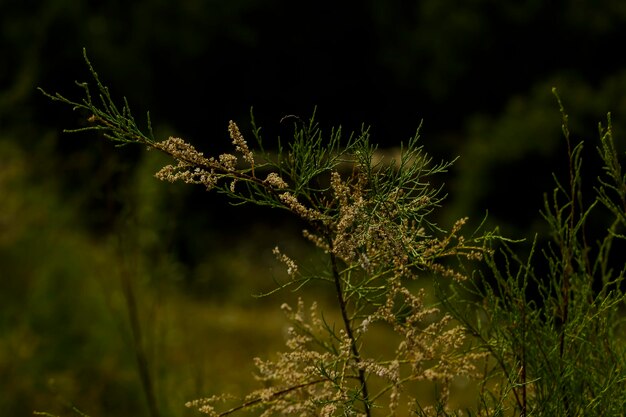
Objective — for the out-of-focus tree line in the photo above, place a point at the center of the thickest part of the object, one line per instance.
(74, 210)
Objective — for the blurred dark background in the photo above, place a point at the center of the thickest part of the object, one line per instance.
(78, 215)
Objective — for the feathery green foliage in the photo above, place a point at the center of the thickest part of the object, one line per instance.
(553, 322)
(538, 341)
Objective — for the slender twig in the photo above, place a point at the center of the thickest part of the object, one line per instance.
(274, 395)
(348, 326)
(140, 354)
(565, 242)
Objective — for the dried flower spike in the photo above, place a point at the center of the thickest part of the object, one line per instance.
(240, 144)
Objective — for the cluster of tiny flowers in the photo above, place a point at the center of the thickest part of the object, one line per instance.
(188, 174)
(292, 268)
(275, 181)
(364, 327)
(206, 405)
(194, 168)
(447, 272)
(390, 371)
(373, 233)
(311, 323)
(228, 161)
(430, 344)
(298, 208)
(351, 229)
(316, 239)
(240, 144)
(181, 151)
(328, 410)
(303, 381)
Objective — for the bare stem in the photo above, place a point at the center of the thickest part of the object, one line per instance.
(276, 394)
(140, 354)
(348, 326)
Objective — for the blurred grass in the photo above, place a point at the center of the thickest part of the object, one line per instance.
(65, 339)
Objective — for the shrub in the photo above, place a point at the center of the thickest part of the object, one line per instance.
(536, 343)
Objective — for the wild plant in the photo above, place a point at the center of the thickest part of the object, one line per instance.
(538, 340)
(372, 222)
(553, 321)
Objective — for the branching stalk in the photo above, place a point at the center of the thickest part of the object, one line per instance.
(348, 327)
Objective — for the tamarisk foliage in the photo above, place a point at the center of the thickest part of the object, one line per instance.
(553, 322)
(559, 353)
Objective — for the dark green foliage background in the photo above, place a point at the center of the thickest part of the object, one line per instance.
(74, 211)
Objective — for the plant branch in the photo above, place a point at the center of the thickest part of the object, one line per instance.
(140, 354)
(348, 326)
(274, 395)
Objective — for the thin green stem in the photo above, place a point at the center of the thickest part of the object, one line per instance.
(140, 354)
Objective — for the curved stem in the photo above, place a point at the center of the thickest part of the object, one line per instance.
(274, 395)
